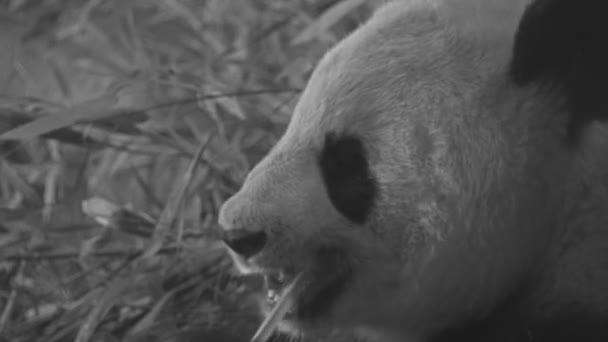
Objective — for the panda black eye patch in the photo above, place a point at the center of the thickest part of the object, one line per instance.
(347, 177)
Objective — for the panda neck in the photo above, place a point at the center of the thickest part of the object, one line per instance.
(508, 323)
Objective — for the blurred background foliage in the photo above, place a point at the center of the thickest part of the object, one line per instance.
(124, 124)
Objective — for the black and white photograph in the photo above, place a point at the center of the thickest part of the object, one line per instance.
(303, 171)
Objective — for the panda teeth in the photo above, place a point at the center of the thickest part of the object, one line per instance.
(274, 283)
(272, 296)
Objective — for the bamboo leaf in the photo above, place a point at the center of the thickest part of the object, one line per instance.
(87, 111)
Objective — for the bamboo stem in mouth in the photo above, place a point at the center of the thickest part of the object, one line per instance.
(283, 305)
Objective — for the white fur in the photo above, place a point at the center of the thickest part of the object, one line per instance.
(476, 194)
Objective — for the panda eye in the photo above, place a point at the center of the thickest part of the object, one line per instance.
(347, 177)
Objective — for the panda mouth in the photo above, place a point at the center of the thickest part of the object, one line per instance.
(318, 289)
(308, 295)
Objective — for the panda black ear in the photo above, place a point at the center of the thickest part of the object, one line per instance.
(565, 43)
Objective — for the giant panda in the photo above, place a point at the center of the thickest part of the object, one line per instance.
(444, 177)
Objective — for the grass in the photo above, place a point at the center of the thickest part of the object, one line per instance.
(124, 125)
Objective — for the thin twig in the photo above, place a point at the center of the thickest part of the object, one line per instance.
(195, 99)
(168, 215)
(118, 253)
(10, 302)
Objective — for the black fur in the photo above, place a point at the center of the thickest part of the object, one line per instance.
(563, 43)
(347, 177)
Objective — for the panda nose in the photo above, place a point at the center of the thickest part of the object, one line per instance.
(242, 227)
(245, 243)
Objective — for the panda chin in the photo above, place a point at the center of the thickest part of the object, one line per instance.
(323, 283)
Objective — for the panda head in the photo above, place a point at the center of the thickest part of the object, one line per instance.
(420, 180)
